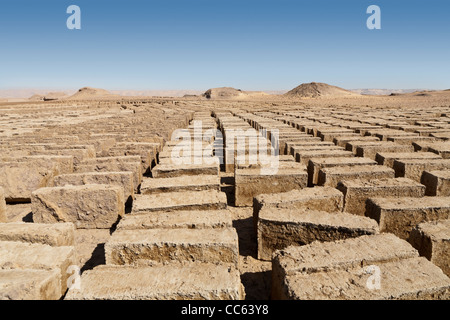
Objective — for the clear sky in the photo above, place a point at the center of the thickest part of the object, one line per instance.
(246, 44)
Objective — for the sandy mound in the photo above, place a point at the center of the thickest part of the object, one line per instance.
(317, 89)
(88, 93)
(227, 93)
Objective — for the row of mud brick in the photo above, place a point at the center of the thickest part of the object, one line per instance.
(375, 180)
(347, 192)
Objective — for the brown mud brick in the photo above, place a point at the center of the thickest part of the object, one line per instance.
(186, 200)
(304, 156)
(194, 281)
(170, 171)
(182, 183)
(201, 219)
(437, 183)
(88, 206)
(250, 182)
(442, 149)
(280, 228)
(123, 180)
(55, 234)
(150, 246)
(333, 175)
(388, 158)
(19, 255)
(78, 154)
(356, 192)
(3, 216)
(317, 198)
(65, 163)
(432, 240)
(342, 270)
(20, 179)
(342, 141)
(31, 284)
(370, 150)
(307, 141)
(410, 140)
(113, 165)
(315, 164)
(400, 216)
(413, 169)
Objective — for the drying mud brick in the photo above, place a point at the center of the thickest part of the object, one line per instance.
(150, 246)
(88, 206)
(194, 281)
(356, 192)
(432, 240)
(182, 183)
(388, 158)
(19, 255)
(332, 176)
(317, 198)
(20, 179)
(280, 228)
(178, 220)
(315, 164)
(250, 182)
(3, 217)
(304, 156)
(31, 284)
(400, 216)
(171, 171)
(370, 150)
(341, 270)
(413, 169)
(123, 180)
(186, 200)
(113, 164)
(55, 235)
(437, 183)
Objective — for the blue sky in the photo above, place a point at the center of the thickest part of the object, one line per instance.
(247, 44)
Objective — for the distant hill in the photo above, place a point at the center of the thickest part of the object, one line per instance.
(226, 93)
(316, 90)
(88, 93)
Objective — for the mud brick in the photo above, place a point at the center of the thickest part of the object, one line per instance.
(78, 155)
(250, 182)
(437, 183)
(31, 284)
(317, 198)
(280, 228)
(432, 240)
(333, 175)
(170, 171)
(413, 169)
(182, 183)
(388, 158)
(186, 200)
(201, 219)
(290, 145)
(399, 216)
(304, 156)
(55, 234)
(113, 164)
(356, 192)
(3, 217)
(20, 179)
(19, 255)
(342, 141)
(150, 246)
(196, 281)
(88, 206)
(341, 270)
(410, 140)
(315, 164)
(370, 150)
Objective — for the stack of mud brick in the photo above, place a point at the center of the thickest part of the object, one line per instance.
(378, 181)
(178, 241)
(74, 176)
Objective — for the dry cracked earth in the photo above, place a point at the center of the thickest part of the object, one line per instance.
(130, 199)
